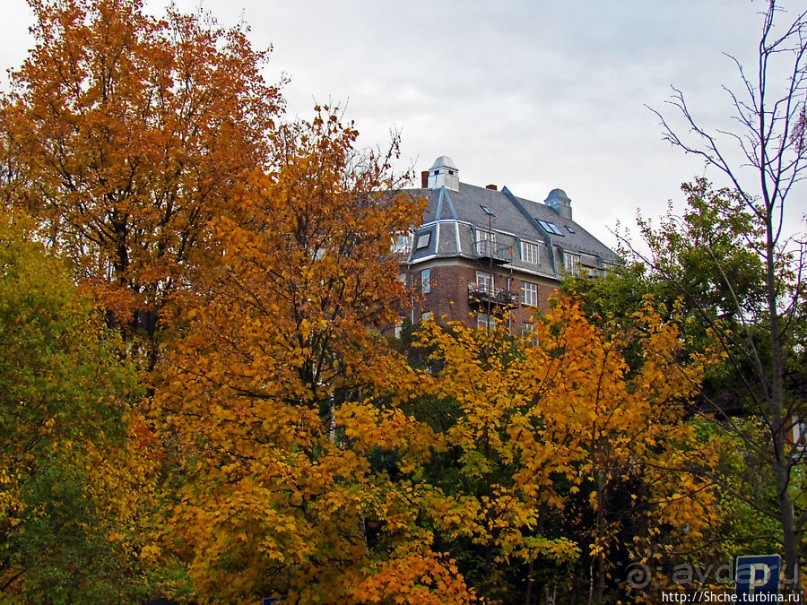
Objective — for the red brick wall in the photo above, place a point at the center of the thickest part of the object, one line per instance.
(448, 298)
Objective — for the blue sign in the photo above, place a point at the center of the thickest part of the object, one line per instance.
(758, 574)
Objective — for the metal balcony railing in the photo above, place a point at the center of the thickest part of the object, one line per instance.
(489, 250)
(483, 294)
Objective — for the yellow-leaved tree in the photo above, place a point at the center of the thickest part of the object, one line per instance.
(547, 424)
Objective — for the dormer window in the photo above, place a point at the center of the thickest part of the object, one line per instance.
(571, 263)
(529, 253)
(485, 243)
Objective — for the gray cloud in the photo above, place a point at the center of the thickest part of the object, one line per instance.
(529, 94)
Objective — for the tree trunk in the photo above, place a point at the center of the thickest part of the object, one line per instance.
(779, 422)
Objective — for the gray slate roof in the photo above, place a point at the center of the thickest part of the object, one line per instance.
(454, 217)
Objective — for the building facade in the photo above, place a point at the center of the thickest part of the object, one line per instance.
(484, 255)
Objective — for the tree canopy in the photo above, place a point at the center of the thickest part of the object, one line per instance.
(64, 524)
(124, 134)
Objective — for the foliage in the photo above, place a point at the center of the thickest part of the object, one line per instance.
(285, 399)
(708, 257)
(124, 134)
(770, 110)
(710, 253)
(708, 261)
(65, 532)
(297, 454)
(537, 425)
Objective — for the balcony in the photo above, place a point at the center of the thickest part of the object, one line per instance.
(487, 250)
(485, 297)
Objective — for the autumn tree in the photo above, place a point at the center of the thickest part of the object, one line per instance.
(286, 399)
(541, 425)
(763, 159)
(67, 532)
(694, 252)
(123, 135)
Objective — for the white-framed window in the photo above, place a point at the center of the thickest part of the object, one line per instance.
(486, 321)
(485, 242)
(528, 332)
(484, 282)
(485, 236)
(402, 245)
(529, 253)
(529, 294)
(571, 263)
(423, 240)
(426, 281)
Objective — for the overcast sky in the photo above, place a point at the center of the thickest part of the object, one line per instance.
(529, 94)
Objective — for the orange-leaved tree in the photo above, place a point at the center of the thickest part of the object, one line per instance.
(550, 420)
(123, 135)
(284, 399)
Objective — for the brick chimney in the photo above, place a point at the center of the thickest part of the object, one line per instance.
(492, 187)
(424, 179)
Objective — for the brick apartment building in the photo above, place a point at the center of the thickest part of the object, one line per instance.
(482, 255)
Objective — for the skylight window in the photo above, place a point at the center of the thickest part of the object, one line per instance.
(550, 227)
(569, 229)
(486, 210)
